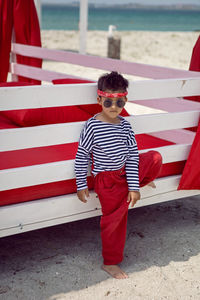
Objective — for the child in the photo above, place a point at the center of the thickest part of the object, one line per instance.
(108, 141)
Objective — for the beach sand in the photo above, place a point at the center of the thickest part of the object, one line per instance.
(162, 255)
(169, 49)
(162, 258)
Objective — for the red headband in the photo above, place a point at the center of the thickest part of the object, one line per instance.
(111, 95)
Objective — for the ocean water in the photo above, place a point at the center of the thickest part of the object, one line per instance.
(67, 18)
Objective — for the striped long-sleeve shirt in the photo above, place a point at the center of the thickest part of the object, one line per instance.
(111, 146)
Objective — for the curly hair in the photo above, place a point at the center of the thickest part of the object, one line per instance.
(112, 81)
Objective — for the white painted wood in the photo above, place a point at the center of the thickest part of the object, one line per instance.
(179, 136)
(47, 96)
(70, 94)
(168, 105)
(173, 195)
(61, 206)
(83, 24)
(163, 88)
(135, 109)
(57, 210)
(70, 205)
(38, 8)
(163, 121)
(13, 59)
(21, 228)
(38, 73)
(37, 174)
(46, 135)
(57, 171)
(38, 136)
(125, 67)
(172, 153)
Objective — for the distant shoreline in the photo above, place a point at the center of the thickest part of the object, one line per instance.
(178, 7)
(124, 30)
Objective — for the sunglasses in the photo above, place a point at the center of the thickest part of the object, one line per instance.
(108, 103)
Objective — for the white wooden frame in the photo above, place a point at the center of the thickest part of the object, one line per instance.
(41, 213)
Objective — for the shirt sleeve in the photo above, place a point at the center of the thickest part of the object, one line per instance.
(83, 156)
(132, 163)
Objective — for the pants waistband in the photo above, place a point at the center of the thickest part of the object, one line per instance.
(119, 171)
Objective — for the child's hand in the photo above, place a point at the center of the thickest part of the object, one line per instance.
(82, 194)
(133, 197)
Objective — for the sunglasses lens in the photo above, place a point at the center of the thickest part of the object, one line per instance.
(120, 103)
(107, 103)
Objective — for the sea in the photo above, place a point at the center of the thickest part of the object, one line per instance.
(67, 18)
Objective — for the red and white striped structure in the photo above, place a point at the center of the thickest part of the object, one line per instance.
(162, 92)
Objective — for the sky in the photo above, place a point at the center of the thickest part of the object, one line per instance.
(148, 2)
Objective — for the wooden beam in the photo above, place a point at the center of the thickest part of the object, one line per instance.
(64, 170)
(38, 8)
(102, 63)
(77, 94)
(83, 24)
(55, 134)
(62, 209)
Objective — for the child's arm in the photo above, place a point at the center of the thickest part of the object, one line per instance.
(132, 163)
(81, 162)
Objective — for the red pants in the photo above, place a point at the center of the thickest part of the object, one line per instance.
(112, 189)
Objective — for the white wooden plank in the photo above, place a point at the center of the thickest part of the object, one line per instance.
(37, 174)
(70, 205)
(172, 153)
(164, 121)
(168, 196)
(57, 171)
(47, 96)
(38, 74)
(38, 8)
(60, 206)
(62, 95)
(21, 228)
(163, 88)
(163, 185)
(142, 70)
(57, 210)
(46, 135)
(168, 104)
(179, 136)
(39, 136)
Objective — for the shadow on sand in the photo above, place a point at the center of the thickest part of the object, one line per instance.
(67, 257)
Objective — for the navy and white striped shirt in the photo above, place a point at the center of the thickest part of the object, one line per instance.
(111, 146)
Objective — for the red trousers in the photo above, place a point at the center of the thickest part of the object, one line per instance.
(112, 189)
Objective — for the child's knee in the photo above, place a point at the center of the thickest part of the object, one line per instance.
(155, 160)
(156, 157)
(156, 163)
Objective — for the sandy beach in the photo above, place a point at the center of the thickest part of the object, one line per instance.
(162, 255)
(162, 258)
(169, 49)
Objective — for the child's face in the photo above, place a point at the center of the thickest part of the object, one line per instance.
(112, 107)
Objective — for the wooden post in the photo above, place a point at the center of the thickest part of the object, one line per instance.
(38, 8)
(13, 59)
(114, 44)
(83, 23)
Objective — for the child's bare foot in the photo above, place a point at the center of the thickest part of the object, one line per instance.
(114, 271)
(152, 184)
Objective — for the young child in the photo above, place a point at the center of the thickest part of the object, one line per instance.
(108, 142)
